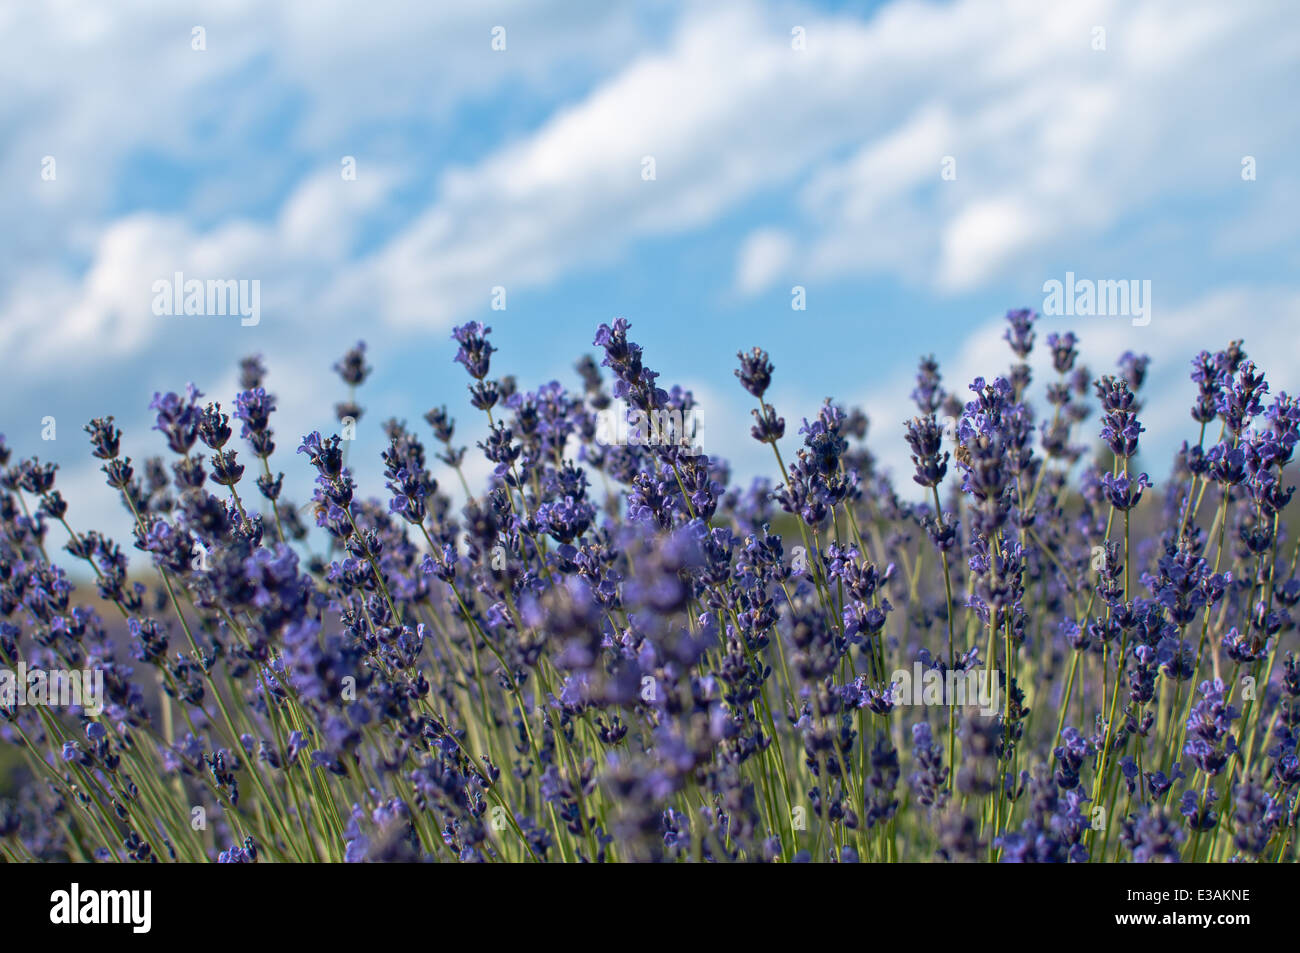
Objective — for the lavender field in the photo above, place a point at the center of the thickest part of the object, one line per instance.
(614, 652)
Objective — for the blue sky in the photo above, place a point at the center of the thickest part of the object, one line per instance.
(793, 143)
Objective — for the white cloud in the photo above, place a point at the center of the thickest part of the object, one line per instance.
(57, 322)
(574, 192)
(126, 108)
(763, 259)
(1054, 144)
(983, 237)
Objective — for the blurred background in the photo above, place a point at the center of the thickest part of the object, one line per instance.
(907, 171)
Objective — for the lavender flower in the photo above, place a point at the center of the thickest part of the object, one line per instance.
(612, 651)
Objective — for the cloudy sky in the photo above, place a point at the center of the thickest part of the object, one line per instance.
(916, 167)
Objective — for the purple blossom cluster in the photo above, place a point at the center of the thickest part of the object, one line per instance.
(614, 652)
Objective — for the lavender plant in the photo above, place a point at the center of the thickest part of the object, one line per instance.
(674, 667)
